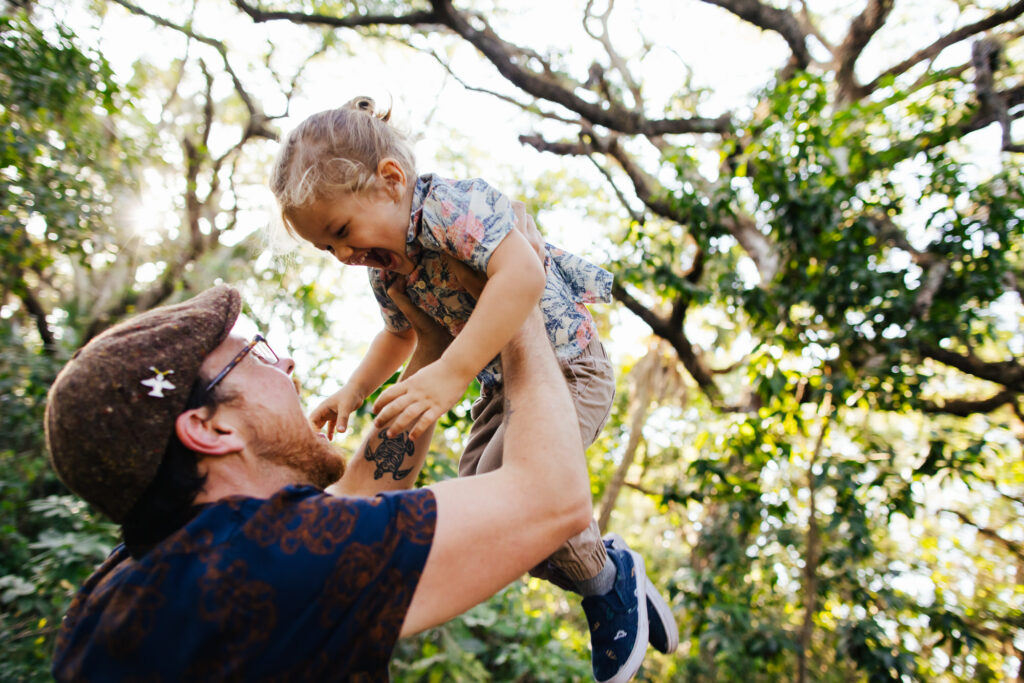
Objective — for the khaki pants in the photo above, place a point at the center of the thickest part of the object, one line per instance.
(591, 382)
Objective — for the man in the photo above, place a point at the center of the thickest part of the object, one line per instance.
(236, 565)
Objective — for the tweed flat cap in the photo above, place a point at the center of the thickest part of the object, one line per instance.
(111, 411)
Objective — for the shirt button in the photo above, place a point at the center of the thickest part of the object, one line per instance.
(421, 284)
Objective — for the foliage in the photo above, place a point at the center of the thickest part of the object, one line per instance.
(56, 97)
(504, 639)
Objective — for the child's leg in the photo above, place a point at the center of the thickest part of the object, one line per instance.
(591, 381)
(483, 449)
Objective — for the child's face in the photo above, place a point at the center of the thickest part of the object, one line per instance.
(366, 229)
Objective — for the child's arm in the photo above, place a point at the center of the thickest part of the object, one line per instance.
(387, 352)
(367, 473)
(515, 283)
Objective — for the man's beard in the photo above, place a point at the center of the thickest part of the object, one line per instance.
(299, 448)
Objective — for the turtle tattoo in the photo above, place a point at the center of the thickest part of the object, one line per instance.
(390, 454)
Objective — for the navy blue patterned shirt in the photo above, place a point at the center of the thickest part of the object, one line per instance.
(298, 587)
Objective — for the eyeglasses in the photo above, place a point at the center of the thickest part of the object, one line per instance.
(259, 348)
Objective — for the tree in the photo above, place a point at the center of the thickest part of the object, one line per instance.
(884, 292)
(76, 260)
(833, 258)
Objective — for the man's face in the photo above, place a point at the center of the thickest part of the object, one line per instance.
(274, 426)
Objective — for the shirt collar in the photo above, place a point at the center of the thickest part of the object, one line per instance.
(419, 195)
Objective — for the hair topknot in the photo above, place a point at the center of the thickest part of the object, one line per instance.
(335, 153)
(367, 104)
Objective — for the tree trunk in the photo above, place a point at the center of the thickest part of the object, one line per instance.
(641, 406)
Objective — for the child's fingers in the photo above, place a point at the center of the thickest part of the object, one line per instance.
(406, 419)
(389, 411)
(319, 416)
(423, 424)
(330, 429)
(387, 396)
(394, 414)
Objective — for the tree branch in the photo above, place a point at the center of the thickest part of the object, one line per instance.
(862, 29)
(532, 109)
(994, 19)
(1013, 97)
(38, 313)
(985, 57)
(965, 407)
(769, 18)
(613, 117)
(351, 21)
(757, 245)
(677, 338)
(1005, 373)
(809, 28)
(934, 276)
(617, 62)
(636, 216)
(988, 533)
(503, 56)
(257, 119)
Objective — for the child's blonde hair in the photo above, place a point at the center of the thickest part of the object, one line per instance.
(335, 153)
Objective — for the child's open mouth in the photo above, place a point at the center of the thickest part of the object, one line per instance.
(374, 258)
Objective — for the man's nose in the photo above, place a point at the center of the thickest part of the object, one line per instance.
(285, 363)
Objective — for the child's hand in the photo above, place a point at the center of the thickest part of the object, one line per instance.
(335, 410)
(416, 403)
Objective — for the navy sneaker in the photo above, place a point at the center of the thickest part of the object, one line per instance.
(618, 621)
(663, 631)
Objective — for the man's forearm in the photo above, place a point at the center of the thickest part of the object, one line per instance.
(542, 434)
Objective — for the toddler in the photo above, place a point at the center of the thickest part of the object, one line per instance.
(346, 182)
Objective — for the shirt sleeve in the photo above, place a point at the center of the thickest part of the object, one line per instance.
(467, 219)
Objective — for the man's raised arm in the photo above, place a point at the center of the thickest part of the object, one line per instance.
(493, 527)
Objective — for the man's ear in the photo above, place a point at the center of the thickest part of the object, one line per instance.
(393, 177)
(201, 432)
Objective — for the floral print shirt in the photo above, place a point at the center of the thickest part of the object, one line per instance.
(468, 219)
(301, 586)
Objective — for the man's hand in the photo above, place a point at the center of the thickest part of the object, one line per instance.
(426, 397)
(431, 338)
